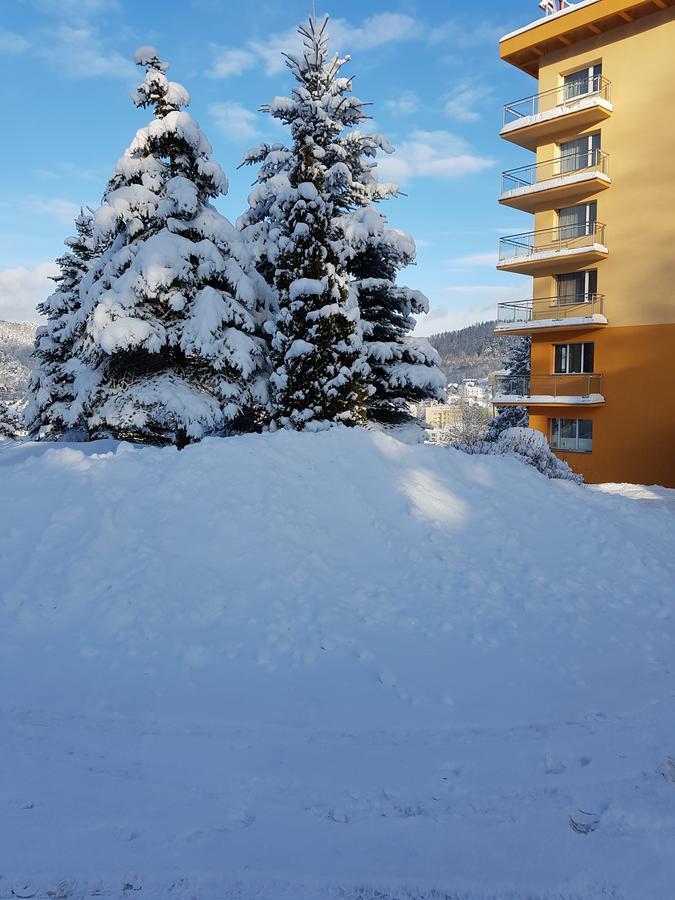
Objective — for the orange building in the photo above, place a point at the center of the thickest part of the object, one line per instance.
(601, 255)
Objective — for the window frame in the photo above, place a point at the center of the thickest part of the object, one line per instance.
(555, 428)
(567, 345)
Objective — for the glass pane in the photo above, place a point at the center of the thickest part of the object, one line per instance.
(591, 278)
(585, 435)
(569, 287)
(555, 432)
(573, 155)
(560, 358)
(572, 221)
(568, 434)
(588, 357)
(576, 84)
(574, 358)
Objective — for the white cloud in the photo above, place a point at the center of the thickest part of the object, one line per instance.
(22, 289)
(55, 207)
(79, 52)
(384, 28)
(76, 7)
(451, 319)
(234, 121)
(490, 258)
(11, 43)
(467, 102)
(375, 31)
(432, 154)
(407, 103)
(440, 318)
(230, 61)
(458, 35)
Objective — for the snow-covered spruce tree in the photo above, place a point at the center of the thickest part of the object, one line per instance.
(319, 373)
(51, 385)
(171, 348)
(517, 363)
(403, 369)
(399, 368)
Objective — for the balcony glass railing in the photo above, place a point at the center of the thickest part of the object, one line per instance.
(562, 98)
(574, 306)
(567, 164)
(556, 386)
(551, 240)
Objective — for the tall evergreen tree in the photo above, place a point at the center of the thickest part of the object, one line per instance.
(403, 369)
(396, 367)
(52, 380)
(517, 363)
(316, 347)
(171, 347)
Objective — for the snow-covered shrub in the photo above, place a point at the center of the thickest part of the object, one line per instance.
(532, 448)
(12, 425)
(516, 363)
(507, 417)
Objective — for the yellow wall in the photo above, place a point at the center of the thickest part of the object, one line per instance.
(638, 277)
(634, 431)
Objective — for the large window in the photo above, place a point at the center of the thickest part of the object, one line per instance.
(573, 359)
(584, 81)
(577, 221)
(580, 153)
(575, 435)
(576, 287)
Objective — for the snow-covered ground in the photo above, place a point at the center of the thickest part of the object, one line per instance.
(307, 666)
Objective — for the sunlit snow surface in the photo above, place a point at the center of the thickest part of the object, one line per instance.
(331, 665)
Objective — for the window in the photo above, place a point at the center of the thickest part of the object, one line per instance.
(575, 435)
(584, 81)
(577, 221)
(576, 287)
(573, 359)
(580, 153)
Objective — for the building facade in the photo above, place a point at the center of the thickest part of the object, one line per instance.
(601, 187)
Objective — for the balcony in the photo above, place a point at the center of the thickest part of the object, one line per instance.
(551, 313)
(564, 248)
(551, 115)
(557, 182)
(548, 390)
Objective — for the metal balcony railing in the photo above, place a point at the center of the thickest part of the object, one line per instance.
(568, 164)
(528, 387)
(561, 98)
(574, 306)
(550, 240)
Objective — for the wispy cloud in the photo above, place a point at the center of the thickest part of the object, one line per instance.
(375, 31)
(234, 121)
(80, 52)
(55, 207)
(408, 102)
(432, 154)
(467, 102)
(489, 258)
(228, 61)
(454, 34)
(22, 289)
(12, 43)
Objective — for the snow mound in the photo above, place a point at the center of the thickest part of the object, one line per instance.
(331, 665)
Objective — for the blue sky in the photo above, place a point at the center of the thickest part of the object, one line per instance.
(431, 70)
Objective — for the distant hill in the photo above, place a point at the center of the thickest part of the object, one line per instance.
(471, 352)
(16, 346)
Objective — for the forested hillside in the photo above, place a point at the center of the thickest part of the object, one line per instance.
(16, 346)
(471, 352)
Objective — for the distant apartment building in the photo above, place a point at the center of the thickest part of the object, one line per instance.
(442, 416)
(601, 187)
